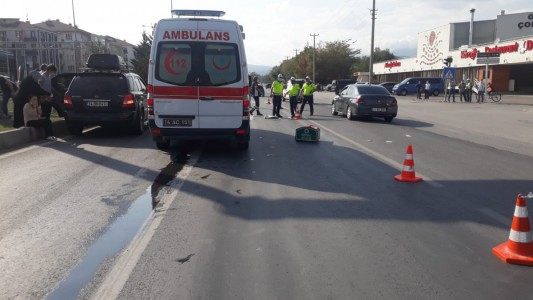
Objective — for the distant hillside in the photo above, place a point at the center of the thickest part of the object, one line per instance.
(261, 70)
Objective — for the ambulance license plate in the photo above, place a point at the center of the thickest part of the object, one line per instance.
(177, 122)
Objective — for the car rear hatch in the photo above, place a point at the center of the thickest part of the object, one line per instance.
(98, 92)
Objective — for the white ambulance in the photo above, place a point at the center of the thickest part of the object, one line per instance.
(198, 80)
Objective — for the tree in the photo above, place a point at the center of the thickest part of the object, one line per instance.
(142, 56)
(363, 64)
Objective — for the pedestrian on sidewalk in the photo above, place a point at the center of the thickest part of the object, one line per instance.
(462, 92)
(419, 90)
(28, 86)
(451, 90)
(9, 89)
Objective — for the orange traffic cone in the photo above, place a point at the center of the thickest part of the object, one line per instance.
(297, 114)
(408, 172)
(519, 248)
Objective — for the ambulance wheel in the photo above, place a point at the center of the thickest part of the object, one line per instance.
(164, 145)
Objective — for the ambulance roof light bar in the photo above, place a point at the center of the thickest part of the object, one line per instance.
(198, 13)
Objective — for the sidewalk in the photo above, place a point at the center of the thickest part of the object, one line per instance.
(507, 99)
(17, 137)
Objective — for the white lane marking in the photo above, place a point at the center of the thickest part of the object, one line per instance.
(376, 155)
(120, 272)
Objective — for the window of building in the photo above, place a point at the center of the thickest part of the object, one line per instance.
(70, 68)
(68, 36)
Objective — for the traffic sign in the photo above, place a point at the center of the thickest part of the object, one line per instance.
(448, 73)
(488, 58)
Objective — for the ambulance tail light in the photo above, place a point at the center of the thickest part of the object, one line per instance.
(128, 101)
(241, 131)
(150, 103)
(67, 101)
(245, 102)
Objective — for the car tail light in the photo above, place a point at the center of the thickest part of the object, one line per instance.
(155, 131)
(67, 101)
(241, 131)
(359, 100)
(150, 103)
(394, 103)
(128, 101)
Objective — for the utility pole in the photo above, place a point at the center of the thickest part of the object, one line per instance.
(296, 51)
(371, 71)
(314, 35)
(75, 39)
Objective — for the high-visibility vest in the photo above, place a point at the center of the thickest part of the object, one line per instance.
(295, 89)
(308, 88)
(277, 87)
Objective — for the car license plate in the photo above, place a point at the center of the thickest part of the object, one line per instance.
(177, 122)
(97, 103)
(379, 109)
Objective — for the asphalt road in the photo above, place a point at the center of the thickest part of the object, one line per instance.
(283, 220)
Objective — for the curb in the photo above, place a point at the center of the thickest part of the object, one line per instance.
(23, 135)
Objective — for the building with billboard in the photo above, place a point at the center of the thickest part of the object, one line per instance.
(511, 35)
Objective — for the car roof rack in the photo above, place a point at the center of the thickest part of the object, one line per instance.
(198, 13)
(105, 62)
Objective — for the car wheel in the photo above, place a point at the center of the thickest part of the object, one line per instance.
(138, 124)
(164, 145)
(349, 113)
(435, 93)
(388, 119)
(333, 110)
(403, 93)
(74, 129)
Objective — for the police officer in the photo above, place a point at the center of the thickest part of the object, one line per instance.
(293, 96)
(276, 91)
(307, 91)
(254, 91)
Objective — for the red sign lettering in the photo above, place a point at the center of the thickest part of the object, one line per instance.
(469, 54)
(196, 35)
(503, 49)
(393, 64)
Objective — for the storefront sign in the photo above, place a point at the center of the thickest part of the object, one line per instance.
(393, 64)
(469, 54)
(526, 24)
(503, 49)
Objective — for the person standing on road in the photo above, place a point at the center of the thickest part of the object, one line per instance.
(254, 91)
(481, 92)
(462, 94)
(451, 90)
(427, 89)
(468, 91)
(276, 92)
(307, 92)
(293, 96)
(46, 84)
(419, 90)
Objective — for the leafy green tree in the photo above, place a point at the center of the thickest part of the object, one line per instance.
(142, 56)
(363, 64)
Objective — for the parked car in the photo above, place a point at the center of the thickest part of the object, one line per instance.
(388, 85)
(408, 85)
(328, 87)
(106, 94)
(339, 84)
(358, 100)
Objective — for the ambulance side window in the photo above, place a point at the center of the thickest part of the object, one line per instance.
(222, 63)
(174, 62)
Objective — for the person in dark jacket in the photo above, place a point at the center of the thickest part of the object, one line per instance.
(9, 88)
(28, 86)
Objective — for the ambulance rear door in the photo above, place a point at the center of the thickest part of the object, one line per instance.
(176, 95)
(222, 93)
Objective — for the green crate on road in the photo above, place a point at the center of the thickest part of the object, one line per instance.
(307, 134)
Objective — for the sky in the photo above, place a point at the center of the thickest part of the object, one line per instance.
(276, 29)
